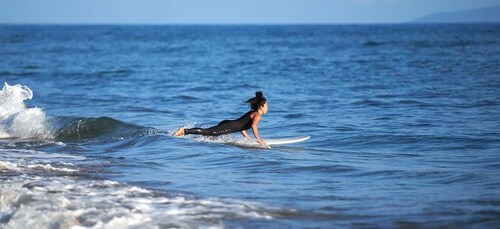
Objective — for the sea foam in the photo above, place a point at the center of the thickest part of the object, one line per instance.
(42, 202)
(16, 119)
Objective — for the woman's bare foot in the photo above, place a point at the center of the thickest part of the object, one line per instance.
(180, 132)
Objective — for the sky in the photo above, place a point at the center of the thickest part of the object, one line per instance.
(227, 11)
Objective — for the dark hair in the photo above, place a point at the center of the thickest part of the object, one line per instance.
(257, 101)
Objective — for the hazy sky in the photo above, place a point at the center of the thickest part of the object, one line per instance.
(226, 11)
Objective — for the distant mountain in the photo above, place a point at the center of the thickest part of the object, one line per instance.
(488, 14)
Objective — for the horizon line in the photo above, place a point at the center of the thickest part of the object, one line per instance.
(234, 24)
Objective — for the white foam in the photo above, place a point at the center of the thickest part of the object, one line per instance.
(5, 165)
(18, 121)
(28, 160)
(42, 202)
(28, 153)
(49, 167)
(33, 199)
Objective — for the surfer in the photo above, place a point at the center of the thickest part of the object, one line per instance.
(258, 105)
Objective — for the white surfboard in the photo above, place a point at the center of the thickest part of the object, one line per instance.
(252, 143)
(283, 141)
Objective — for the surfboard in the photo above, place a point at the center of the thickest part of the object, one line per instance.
(241, 142)
(284, 141)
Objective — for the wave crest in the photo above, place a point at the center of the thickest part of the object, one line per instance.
(16, 119)
(74, 128)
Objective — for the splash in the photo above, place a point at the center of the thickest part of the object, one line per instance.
(16, 119)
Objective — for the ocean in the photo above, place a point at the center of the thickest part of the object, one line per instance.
(404, 122)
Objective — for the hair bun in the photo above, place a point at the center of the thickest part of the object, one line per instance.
(259, 94)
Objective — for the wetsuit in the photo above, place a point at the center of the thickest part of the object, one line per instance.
(225, 127)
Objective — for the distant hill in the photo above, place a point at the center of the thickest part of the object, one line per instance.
(488, 14)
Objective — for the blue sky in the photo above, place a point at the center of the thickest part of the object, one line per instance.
(226, 11)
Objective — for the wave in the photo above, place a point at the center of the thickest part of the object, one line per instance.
(56, 190)
(36, 201)
(451, 43)
(76, 128)
(40, 202)
(17, 121)
(371, 43)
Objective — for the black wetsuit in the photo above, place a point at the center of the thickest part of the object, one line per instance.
(225, 127)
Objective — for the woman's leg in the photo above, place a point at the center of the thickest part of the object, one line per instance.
(179, 132)
(224, 127)
(199, 131)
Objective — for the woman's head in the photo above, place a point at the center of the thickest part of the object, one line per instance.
(258, 102)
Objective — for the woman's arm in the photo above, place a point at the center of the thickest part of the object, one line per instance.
(244, 133)
(255, 129)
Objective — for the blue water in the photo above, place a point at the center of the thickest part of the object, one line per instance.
(404, 125)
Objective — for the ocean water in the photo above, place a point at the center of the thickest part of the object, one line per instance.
(404, 123)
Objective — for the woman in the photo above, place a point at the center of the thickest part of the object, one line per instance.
(249, 120)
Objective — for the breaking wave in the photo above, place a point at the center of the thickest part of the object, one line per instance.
(18, 121)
